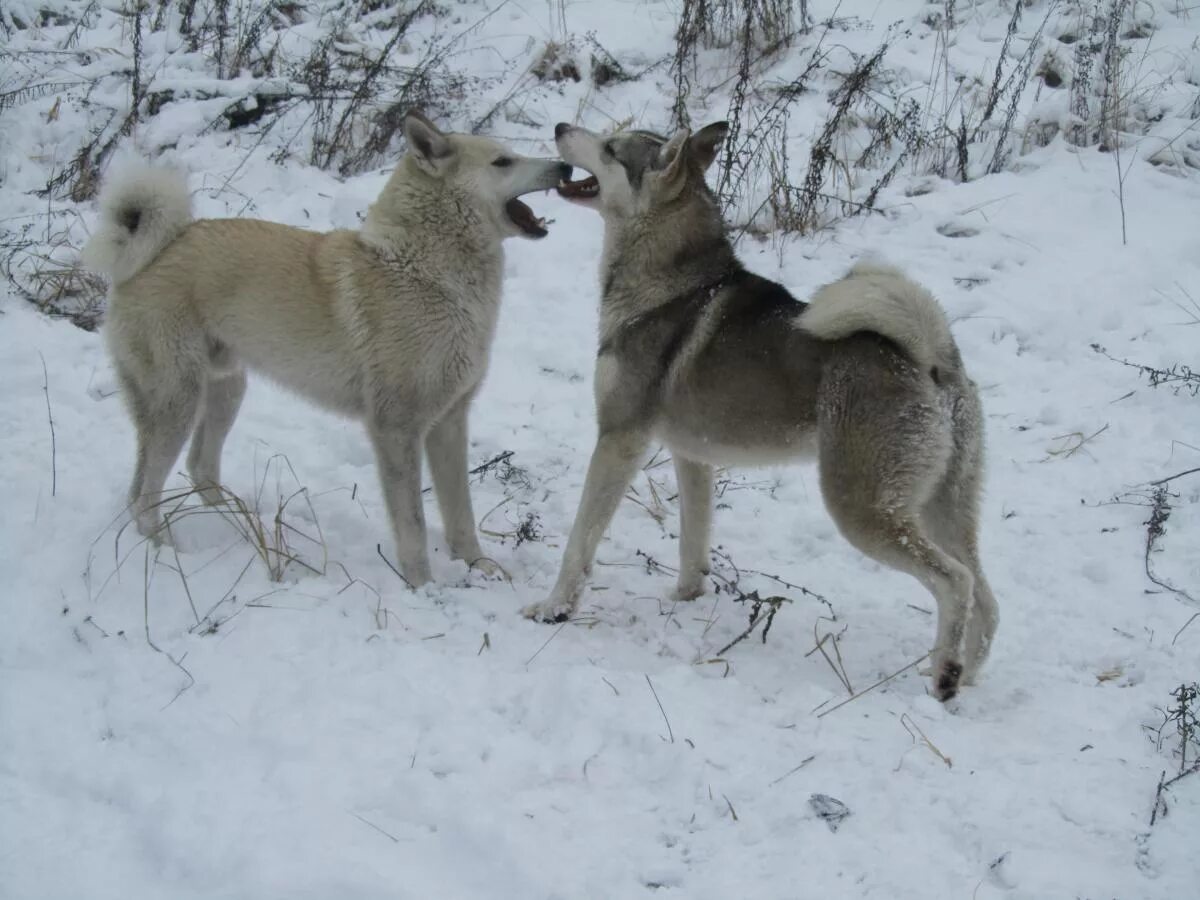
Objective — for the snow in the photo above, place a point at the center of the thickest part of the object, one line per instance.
(336, 735)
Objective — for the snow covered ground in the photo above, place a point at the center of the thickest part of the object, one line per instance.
(179, 725)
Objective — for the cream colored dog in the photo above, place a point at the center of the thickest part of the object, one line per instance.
(391, 324)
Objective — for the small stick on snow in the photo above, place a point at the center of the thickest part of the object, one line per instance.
(391, 837)
(50, 419)
(881, 681)
(1194, 617)
(178, 663)
(909, 726)
(732, 811)
(547, 642)
(803, 763)
(664, 715)
(379, 550)
(1176, 475)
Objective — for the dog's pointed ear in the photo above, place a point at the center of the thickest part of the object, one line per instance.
(670, 157)
(427, 144)
(706, 143)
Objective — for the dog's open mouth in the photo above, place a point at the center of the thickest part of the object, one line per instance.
(522, 216)
(583, 189)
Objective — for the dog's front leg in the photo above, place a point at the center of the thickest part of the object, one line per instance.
(613, 463)
(446, 450)
(695, 520)
(398, 455)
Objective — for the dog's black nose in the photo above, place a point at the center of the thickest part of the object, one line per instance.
(560, 129)
(564, 170)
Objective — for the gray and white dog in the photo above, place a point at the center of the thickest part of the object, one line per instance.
(391, 324)
(726, 367)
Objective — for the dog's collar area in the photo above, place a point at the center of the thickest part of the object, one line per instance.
(710, 289)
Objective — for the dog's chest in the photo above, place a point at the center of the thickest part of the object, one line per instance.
(447, 316)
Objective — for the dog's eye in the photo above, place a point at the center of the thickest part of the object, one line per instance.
(502, 162)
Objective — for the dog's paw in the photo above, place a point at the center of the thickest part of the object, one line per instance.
(154, 529)
(549, 611)
(491, 569)
(686, 592)
(947, 679)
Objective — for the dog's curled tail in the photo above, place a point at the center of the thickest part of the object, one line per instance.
(882, 299)
(142, 210)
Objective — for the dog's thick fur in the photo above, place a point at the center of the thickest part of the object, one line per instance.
(391, 324)
(726, 367)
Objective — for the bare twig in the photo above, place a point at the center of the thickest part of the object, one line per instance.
(881, 681)
(839, 668)
(804, 762)
(756, 604)
(390, 837)
(1193, 618)
(547, 642)
(670, 733)
(732, 811)
(1160, 511)
(914, 730)
(1176, 475)
(1075, 441)
(379, 550)
(50, 419)
(177, 663)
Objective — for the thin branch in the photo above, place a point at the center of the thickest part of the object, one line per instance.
(1176, 475)
(755, 618)
(1194, 617)
(881, 681)
(178, 663)
(547, 642)
(664, 712)
(803, 763)
(379, 550)
(391, 837)
(53, 439)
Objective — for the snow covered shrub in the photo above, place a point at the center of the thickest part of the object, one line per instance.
(557, 62)
(1112, 97)
(325, 82)
(875, 126)
(764, 26)
(907, 101)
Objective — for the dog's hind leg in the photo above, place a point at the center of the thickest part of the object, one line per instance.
(951, 518)
(163, 415)
(880, 460)
(446, 450)
(223, 392)
(695, 525)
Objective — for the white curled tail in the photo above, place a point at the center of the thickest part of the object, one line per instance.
(881, 299)
(142, 210)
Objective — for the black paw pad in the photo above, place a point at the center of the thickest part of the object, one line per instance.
(947, 683)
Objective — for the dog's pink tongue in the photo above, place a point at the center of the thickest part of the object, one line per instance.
(523, 217)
